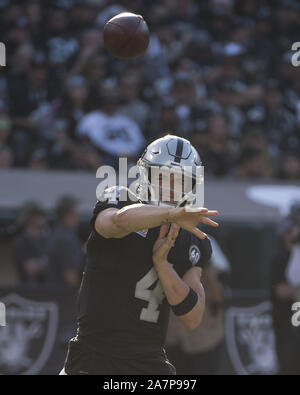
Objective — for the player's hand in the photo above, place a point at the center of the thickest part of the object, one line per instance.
(164, 243)
(189, 219)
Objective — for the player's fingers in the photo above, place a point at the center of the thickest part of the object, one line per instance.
(165, 247)
(209, 221)
(173, 233)
(198, 233)
(174, 229)
(170, 240)
(163, 231)
(196, 210)
(211, 213)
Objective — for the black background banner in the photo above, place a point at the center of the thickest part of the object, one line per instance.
(40, 321)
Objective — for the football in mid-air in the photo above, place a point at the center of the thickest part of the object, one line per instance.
(126, 35)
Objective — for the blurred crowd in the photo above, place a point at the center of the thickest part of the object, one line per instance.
(217, 72)
(285, 290)
(45, 253)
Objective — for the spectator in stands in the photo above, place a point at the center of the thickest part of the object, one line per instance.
(74, 102)
(279, 120)
(67, 153)
(60, 43)
(38, 160)
(165, 121)
(251, 164)
(254, 137)
(132, 106)
(91, 44)
(6, 157)
(289, 166)
(29, 92)
(95, 71)
(61, 152)
(114, 135)
(5, 127)
(218, 155)
(184, 94)
(29, 247)
(64, 248)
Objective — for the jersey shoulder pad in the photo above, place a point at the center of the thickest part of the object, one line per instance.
(117, 197)
(118, 193)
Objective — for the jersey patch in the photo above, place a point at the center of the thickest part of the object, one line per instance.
(194, 254)
(142, 233)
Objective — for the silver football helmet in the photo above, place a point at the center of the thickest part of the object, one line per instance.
(163, 157)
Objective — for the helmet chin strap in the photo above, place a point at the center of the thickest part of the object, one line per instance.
(188, 199)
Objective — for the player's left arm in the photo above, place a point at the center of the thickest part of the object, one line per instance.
(186, 296)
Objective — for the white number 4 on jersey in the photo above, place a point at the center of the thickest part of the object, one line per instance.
(154, 297)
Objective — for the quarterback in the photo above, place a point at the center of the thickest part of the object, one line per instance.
(143, 259)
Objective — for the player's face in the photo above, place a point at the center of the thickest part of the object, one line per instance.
(172, 190)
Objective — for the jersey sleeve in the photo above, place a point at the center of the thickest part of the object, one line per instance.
(190, 251)
(115, 201)
(205, 249)
(100, 206)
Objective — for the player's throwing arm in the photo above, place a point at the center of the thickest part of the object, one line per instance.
(114, 223)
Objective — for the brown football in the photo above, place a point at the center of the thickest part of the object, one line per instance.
(126, 35)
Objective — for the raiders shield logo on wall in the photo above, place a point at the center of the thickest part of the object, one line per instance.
(250, 339)
(28, 338)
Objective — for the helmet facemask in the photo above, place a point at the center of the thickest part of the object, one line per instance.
(175, 186)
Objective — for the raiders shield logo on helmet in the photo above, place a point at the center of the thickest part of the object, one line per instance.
(27, 340)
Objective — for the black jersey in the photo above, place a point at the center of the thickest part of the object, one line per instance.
(122, 307)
